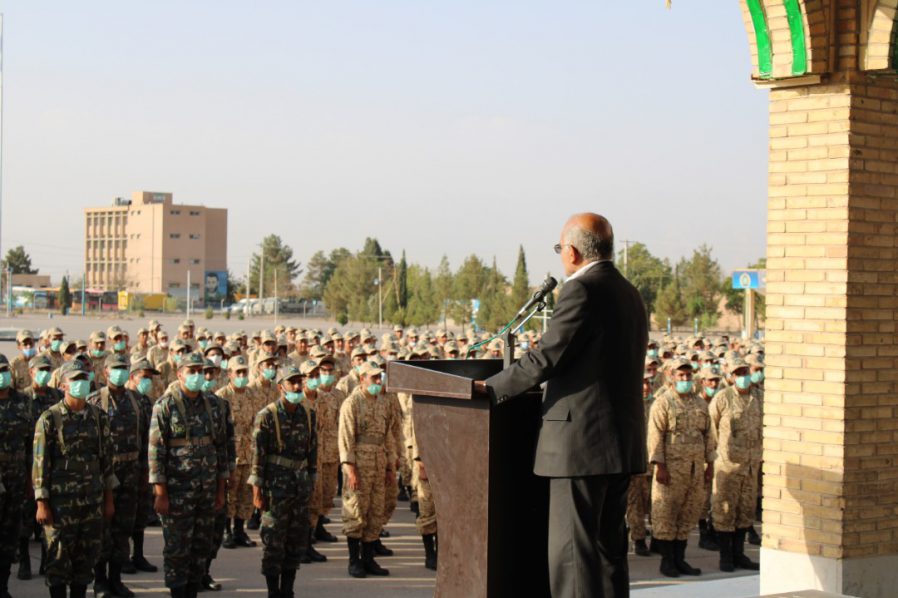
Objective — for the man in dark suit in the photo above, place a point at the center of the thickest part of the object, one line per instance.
(592, 437)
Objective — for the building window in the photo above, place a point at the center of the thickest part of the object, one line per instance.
(194, 261)
(177, 260)
(194, 285)
(194, 213)
(174, 236)
(194, 236)
(174, 285)
(175, 212)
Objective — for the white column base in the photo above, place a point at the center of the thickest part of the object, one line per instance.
(867, 577)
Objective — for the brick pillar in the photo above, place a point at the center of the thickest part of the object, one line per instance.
(831, 406)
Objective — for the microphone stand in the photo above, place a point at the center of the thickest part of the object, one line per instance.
(510, 338)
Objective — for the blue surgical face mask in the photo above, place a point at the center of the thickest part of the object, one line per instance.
(208, 385)
(743, 382)
(374, 389)
(118, 377)
(710, 392)
(326, 379)
(652, 353)
(241, 381)
(119, 346)
(29, 352)
(79, 388)
(313, 383)
(684, 386)
(5, 379)
(144, 386)
(269, 373)
(203, 344)
(91, 377)
(194, 382)
(757, 377)
(224, 364)
(42, 378)
(54, 345)
(294, 397)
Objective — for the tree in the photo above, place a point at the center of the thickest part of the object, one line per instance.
(319, 271)
(278, 258)
(443, 287)
(648, 273)
(520, 287)
(234, 287)
(352, 292)
(669, 305)
(735, 298)
(423, 309)
(700, 285)
(468, 285)
(494, 302)
(64, 297)
(18, 261)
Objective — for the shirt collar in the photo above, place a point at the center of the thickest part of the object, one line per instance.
(583, 269)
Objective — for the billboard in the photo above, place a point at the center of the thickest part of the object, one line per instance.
(215, 285)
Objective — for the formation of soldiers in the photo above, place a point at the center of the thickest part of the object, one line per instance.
(704, 405)
(208, 435)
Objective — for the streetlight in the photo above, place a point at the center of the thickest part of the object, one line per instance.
(379, 283)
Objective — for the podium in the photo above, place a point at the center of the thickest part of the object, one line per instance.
(492, 511)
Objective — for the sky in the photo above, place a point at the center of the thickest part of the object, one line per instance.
(439, 127)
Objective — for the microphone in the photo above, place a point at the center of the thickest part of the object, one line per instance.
(548, 285)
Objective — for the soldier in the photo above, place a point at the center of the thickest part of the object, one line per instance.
(141, 383)
(128, 426)
(168, 369)
(348, 383)
(140, 350)
(158, 353)
(755, 360)
(21, 378)
(391, 491)
(268, 345)
(681, 446)
(243, 410)
(329, 402)
(638, 496)
(212, 372)
(310, 384)
(709, 380)
(283, 472)
(188, 462)
(54, 345)
(426, 520)
(368, 455)
(264, 391)
(73, 481)
(97, 357)
(736, 418)
(16, 432)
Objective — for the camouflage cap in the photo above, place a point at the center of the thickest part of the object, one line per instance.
(256, 334)
(280, 329)
(267, 336)
(154, 324)
(332, 330)
(679, 363)
(370, 368)
(365, 334)
(326, 359)
(210, 365)
(708, 374)
(328, 339)
(231, 348)
(350, 335)
(336, 337)
(143, 365)
(219, 334)
(202, 332)
(55, 331)
(737, 363)
(411, 331)
(238, 362)
(369, 348)
(116, 360)
(387, 338)
(282, 340)
(189, 323)
(114, 331)
(308, 366)
(359, 352)
(212, 347)
(317, 352)
(97, 336)
(40, 361)
(178, 344)
(755, 360)
(287, 372)
(647, 375)
(80, 343)
(451, 347)
(397, 328)
(650, 360)
(378, 361)
(390, 347)
(264, 357)
(142, 331)
(72, 368)
(435, 352)
(23, 334)
(192, 360)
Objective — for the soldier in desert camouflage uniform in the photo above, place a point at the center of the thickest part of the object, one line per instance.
(638, 496)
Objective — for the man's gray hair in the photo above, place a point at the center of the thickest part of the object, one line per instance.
(590, 245)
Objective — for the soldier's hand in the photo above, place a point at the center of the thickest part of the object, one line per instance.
(390, 478)
(353, 475)
(709, 472)
(108, 508)
(259, 499)
(662, 475)
(219, 500)
(44, 514)
(160, 504)
(422, 472)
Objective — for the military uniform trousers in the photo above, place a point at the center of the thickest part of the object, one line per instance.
(240, 494)
(412, 467)
(638, 505)
(327, 475)
(735, 497)
(363, 509)
(117, 531)
(11, 500)
(284, 532)
(677, 505)
(73, 542)
(144, 505)
(426, 522)
(391, 497)
(188, 531)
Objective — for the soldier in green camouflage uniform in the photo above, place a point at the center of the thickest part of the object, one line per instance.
(16, 431)
(188, 462)
(283, 472)
(128, 426)
(21, 378)
(141, 383)
(73, 481)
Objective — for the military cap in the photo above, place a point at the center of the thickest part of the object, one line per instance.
(80, 343)
(287, 372)
(114, 331)
(219, 334)
(184, 328)
(178, 344)
(43, 334)
(369, 368)
(737, 363)
(678, 363)
(328, 340)
(282, 340)
(647, 375)
(450, 347)
(440, 332)
(495, 345)
(267, 336)
(238, 362)
(40, 361)
(97, 336)
(412, 352)
(154, 324)
(332, 330)
(263, 357)
(72, 368)
(311, 336)
(435, 352)
(387, 338)
(650, 360)
(411, 331)
(369, 348)
(349, 335)
(208, 364)
(317, 352)
(325, 359)
(397, 328)
(378, 361)
(142, 331)
(114, 360)
(23, 335)
(188, 323)
(365, 334)
(359, 352)
(461, 336)
(753, 359)
(756, 349)
(143, 365)
(708, 374)
(308, 366)
(212, 347)
(55, 331)
(279, 329)
(231, 348)
(391, 347)
(241, 333)
(202, 332)
(162, 334)
(191, 360)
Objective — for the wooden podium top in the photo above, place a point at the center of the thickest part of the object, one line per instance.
(421, 381)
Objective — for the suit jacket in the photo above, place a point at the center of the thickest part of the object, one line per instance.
(592, 357)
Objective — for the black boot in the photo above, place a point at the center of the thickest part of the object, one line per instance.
(368, 561)
(654, 546)
(101, 582)
(640, 548)
(313, 555)
(753, 538)
(356, 569)
(384, 533)
(240, 537)
(128, 567)
(24, 571)
(288, 578)
(668, 568)
(322, 534)
(381, 550)
(739, 559)
(680, 559)
(430, 551)
(42, 568)
(273, 584)
(59, 591)
(115, 582)
(706, 536)
(208, 584)
(253, 522)
(139, 561)
(325, 519)
(76, 591)
(228, 540)
(725, 540)
(5, 568)
(414, 508)
(191, 589)
(179, 592)
(403, 494)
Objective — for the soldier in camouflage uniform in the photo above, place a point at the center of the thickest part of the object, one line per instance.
(263, 389)
(73, 480)
(391, 491)
(328, 414)
(97, 357)
(188, 462)
(141, 383)
(368, 455)
(638, 495)
(708, 385)
(736, 419)
(243, 410)
(159, 351)
(16, 432)
(283, 473)
(128, 426)
(349, 382)
(21, 377)
(681, 446)
(426, 521)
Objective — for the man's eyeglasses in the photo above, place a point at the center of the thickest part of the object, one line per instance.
(559, 246)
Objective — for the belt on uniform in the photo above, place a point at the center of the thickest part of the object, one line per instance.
(82, 466)
(370, 439)
(195, 441)
(286, 461)
(6, 458)
(126, 457)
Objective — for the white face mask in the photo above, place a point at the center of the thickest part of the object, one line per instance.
(216, 359)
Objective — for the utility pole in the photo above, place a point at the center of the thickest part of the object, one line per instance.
(188, 294)
(380, 297)
(262, 274)
(275, 296)
(626, 258)
(83, 293)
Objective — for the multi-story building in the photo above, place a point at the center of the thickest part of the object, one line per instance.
(148, 244)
